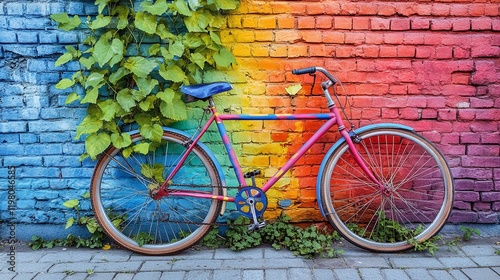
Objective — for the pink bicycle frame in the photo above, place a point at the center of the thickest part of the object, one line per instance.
(333, 118)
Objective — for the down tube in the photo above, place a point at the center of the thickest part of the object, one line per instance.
(324, 128)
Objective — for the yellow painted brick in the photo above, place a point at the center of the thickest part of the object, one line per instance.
(264, 36)
(241, 136)
(241, 50)
(297, 50)
(267, 22)
(234, 21)
(243, 36)
(278, 51)
(255, 161)
(259, 137)
(250, 21)
(260, 50)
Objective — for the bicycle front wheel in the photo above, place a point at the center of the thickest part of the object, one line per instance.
(121, 188)
(413, 207)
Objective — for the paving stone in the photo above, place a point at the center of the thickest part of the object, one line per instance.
(455, 262)
(257, 274)
(156, 266)
(117, 267)
(198, 275)
(300, 273)
(51, 276)
(225, 274)
(416, 263)
(371, 274)
(145, 275)
(169, 275)
(321, 274)
(256, 253)
(395, 274)
(438, 274)
(418, 273)
(198, 265)
(346, 274)
(101, 276)
(481, 273)
(487, 260)
(277, 274)
(367, 262)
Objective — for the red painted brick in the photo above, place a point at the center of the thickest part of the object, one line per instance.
(400, 24)
(393, 38)
(490, 196)
(420, 23)
(481, 24)
(490, 138)
(386, 9)
(459, 52)
(388, 113)
(495, 25)
(406, 51)
(424, 52)
(469, 137)
(459, 10)
(444, 52)
(334, 37)
(440, 10)
(413, 38)
(447, 114)
(367, 8)
(441, 24)
(361, 23)
(324, 22)
(370, 51)
(374, 38)
(462, 24)
(355, 38)
(485, 73)
(388, 51)
(476, 10)
(380, 24)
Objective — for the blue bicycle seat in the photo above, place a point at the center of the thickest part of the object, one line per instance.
(203, 91)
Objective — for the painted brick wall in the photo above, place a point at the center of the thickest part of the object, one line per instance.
(431, 65)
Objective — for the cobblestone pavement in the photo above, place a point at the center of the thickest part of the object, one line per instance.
(476, 259)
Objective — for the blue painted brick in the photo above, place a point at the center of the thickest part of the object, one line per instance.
(44, 50)
(90, 9)
(48, 78)
(37, 65)
(62, 112)
(12, 114)
(28, 138)
(76, 8)
(38, 172)
(11, 150)
(24, 160)
(23, 50)
(27, 37)
(33, 23)
(37, 9)
(61, 161)
(73, 148)
(9, 138)
(45, 195)
(43, 149)
(14, 8)
(8, 37)
(55, 137)
(47, 37)
(40, 184)
(12, 101)
(26, 204)
(12, 89)
(9, 127)
(68, 38)
(59, 7)
(46, 126)
(77, 172)
(3, 22)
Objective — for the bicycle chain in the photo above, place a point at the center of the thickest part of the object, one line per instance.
(208, 224)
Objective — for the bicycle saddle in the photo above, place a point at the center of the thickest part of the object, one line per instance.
(204, 91)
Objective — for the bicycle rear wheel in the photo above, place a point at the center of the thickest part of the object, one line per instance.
(418, 197)
(124, 208)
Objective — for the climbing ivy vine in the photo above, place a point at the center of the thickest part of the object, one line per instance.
(135, 57)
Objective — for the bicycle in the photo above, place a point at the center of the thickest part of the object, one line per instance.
(382, 186)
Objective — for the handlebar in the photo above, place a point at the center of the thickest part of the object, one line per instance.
(313, 69)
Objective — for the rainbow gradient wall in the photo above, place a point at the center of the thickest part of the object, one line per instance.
(432, 65)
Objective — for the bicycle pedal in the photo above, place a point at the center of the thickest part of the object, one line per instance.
(256, 226)
(252, 174)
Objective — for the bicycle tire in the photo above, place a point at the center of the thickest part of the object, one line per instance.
(416, 205)
(127, 213)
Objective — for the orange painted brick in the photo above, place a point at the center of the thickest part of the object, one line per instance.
(334, 37)
(476, 10)
(289, 36)
(386, 9)
(344, 51)
(286, 22)
(315, 8)
(374, 38)
(424, 10)
(312, 36)
(361, 23)
(355, 38)
(491, 10)
(324, 22)
(331, 7)
(459, 10)
(367, 8)
(279, 137)
(342, 23)
(297, 50)
(305, 22)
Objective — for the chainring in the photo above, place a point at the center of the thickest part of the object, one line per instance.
(242, 201)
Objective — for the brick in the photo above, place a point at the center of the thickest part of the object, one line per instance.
(14, 8)
(361, 23)
(481, 24)
(441, 24)
(400, 24)
(380, 24)
(440, 10)
(324, 22)
(490, 196)
(342, 23)
(463, 24)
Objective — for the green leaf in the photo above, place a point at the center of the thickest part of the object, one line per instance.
(158, 8)
(143, 119)
(197, 22)
(65, 22)
(294, 89)
(99, 22)
(86, 194)
(172, 73)
(154, 49)
(102, 51)
(138, 95)
(64, 58)
(97, 143)
(69, 222)
(94, 79)
(199, 59)
(140, 66)
(182, 7)
(167, 95)
(215, 38)
(109, 108)
(71, 203)
(146, 85)
(176, 48)
(148, 103)
(87, 62)
(72, 97)
(153, 133)
(117, 48)
(154, 171)
(224, 58)
(118, 74)
(102, 4)
(121, 140)
(227, 4)
(65, 83)
(87, 126)
(146, 22)
(176, 110)
(142, 148)
(125, 99)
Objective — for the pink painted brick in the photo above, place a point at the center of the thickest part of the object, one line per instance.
(400, 24)
(380, 24)
(420, 23)
(490, 196)
(481, 24)
(462, 24)
(469, 137)
(441, 24)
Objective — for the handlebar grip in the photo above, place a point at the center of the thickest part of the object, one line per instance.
(302, 71)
